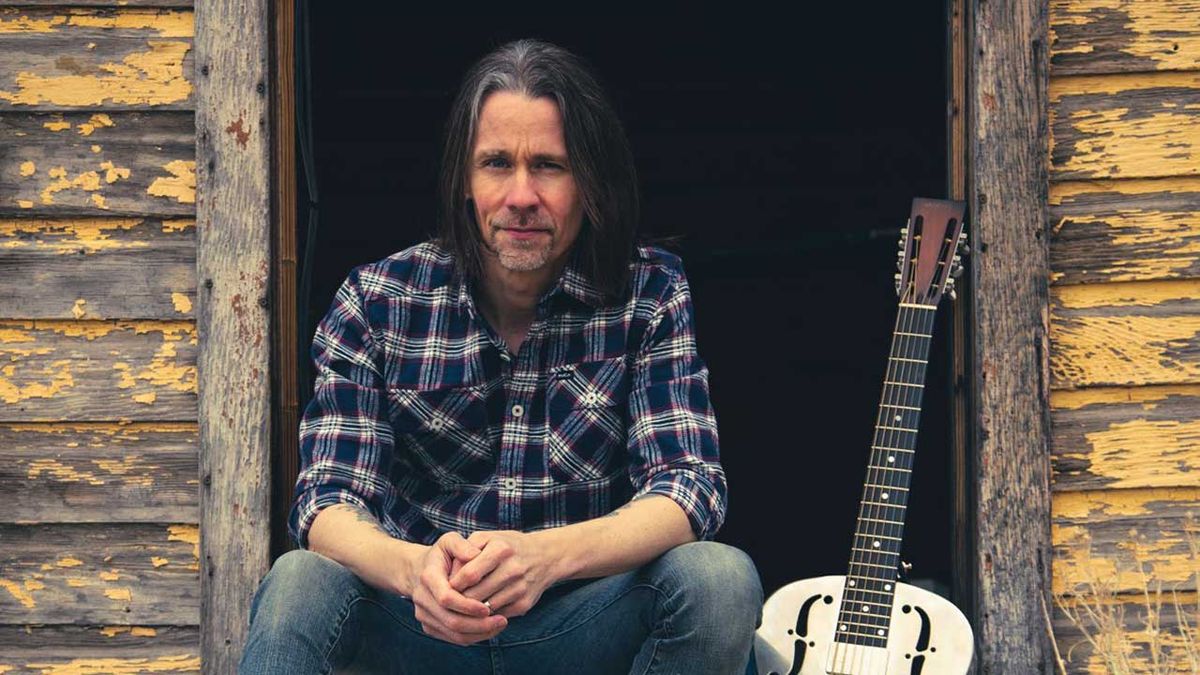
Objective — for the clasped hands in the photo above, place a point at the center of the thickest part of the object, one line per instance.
(506, 568)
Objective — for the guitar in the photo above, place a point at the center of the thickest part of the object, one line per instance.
(867, 622)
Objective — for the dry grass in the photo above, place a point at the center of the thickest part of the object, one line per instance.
(1126, 633)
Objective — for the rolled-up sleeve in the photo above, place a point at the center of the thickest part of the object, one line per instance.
(673, 429)
(346, 442)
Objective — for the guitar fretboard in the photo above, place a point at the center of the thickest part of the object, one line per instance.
(865, 612)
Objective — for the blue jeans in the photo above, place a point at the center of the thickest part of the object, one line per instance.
(692, 610)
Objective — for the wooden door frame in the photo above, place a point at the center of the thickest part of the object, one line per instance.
(999, 163)
(233, 317)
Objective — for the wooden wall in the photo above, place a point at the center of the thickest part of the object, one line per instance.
(1125, 303)
(99, 537)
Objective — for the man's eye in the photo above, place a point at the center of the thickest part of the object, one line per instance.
(553, 166)
(496, 162)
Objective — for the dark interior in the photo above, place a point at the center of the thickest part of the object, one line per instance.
(785, 156)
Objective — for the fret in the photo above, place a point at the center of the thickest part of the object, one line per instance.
(902, 407)
(889, 505)
(860, 562)
(887, 592)
(916, 306)
(884, 447)
(867, 602)
(875, 551)
(887, 487)
(911, 431)
(897, 358)
(888, 467)
(913, 334)
(904, 384)
(876, 520)
(877, 536)
(885, 619)
(868, 640)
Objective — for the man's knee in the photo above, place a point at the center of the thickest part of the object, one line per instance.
(719, 575)
(300, 583)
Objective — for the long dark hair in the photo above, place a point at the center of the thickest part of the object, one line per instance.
(600, 159)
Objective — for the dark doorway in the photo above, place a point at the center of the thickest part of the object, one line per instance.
(784, 154)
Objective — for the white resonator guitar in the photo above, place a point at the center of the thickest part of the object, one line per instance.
(867, 622)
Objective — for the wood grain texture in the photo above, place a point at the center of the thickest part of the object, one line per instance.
(97, 268)
(1008, 120)
(117, 648)
(1115, 36)
(97, 370)
(100, 574)
(233, 152)
(99, 472)
(1126, 437)
(1132, 333)
(97, 164)
(1132, 613)
(1142, 125)
(1126, 538)
(65, 58)
(1125, 230)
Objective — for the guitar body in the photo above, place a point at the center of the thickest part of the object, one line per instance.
(928, 634)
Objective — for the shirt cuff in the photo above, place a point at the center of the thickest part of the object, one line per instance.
(306, 507)
(695, 494)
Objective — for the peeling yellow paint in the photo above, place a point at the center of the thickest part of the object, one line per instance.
(98, 200)
(1109, 143)
(136, 631)
(21, 594)
(57, 125)
(1090, 350)
(77, 310)
(182, 303)
(159, 562)
(112, 173)
(28, 168)
(1115, 83)
(119, 666)
(68, 562)
(60, 379)
(95, 148)
(154, 77)
(126, 430)
(110, 576)
(178, 225)
(1124, 294)
(1176, 235)
(186, 533)
(180, 186)
(1152, 30)
(1121, 452)
(94, 122)
(61, 472)
(1073, 399)
(163, 23)
(118, 593)
(74, 582)
(25, 203)
(87, 180)
(69, 236)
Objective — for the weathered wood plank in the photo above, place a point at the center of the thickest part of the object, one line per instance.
(233, 267)
(1133, 613)
(67, 58)
(97, 3)
(106, 574)
(1125, 230)
(99, 472)
(1128, 437)
(97, 164)
(98, 370)
(1009, 385)
(1141, 125)
(148, 268)
(1124, 537)
(1111, 36)
(1129, 333)
(99, 649)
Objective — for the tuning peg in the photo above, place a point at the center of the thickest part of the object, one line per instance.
(952, 294)
(905, 568)
(956, 272)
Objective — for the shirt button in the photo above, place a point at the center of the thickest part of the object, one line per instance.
(510, 483)
(518, 410)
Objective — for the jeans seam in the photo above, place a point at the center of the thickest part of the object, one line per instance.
(327, 667)
(599, 609)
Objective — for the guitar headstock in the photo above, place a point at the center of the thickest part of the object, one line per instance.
(931, 248)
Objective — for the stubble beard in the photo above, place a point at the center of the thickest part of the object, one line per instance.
(516, 255)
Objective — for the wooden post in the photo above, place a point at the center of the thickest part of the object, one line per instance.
(1008, 129)
(233, 225)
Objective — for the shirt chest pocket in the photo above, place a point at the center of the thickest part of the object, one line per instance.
(586, 419)
(445, 432)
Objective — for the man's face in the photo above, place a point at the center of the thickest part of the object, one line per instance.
(526, 201)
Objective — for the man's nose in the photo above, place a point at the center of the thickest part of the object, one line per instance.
(521, 193)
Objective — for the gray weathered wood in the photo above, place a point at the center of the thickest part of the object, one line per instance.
(1009, 141)
(97, 164)
(98, 370)
(100, 573)
(233, 268)
(126, 268)
(1100, 36)
(1130, 612)
(1121, 232)
(64, 58)
(142, 472)
(37, 649)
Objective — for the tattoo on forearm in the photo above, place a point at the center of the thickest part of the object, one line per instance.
(623, 507)
(363, 516)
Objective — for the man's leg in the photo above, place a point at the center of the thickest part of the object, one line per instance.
(313, 615)
(693, 610)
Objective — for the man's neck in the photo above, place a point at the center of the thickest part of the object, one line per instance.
(509, 299)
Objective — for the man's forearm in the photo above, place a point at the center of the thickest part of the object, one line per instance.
(629, 537)
(351, 536)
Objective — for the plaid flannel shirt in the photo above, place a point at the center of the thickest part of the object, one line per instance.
(424, 419)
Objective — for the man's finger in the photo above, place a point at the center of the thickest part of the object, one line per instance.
(444, 595)
(454, 544)
(452, 623)
(482, 565)
(497, 580)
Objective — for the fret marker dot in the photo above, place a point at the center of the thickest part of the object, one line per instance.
(887, 587)
(884, 495)
(897, 418)
(866, 608)
(880, 631)
(891, 459)
(844, 627)
(852, 583)
(875, 544)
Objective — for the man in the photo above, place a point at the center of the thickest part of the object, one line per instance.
(510, 461)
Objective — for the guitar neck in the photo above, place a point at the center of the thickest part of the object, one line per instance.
(865, 611)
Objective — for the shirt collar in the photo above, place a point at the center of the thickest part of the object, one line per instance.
(572, 282)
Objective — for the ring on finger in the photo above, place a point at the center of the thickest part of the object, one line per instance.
(488, 604)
